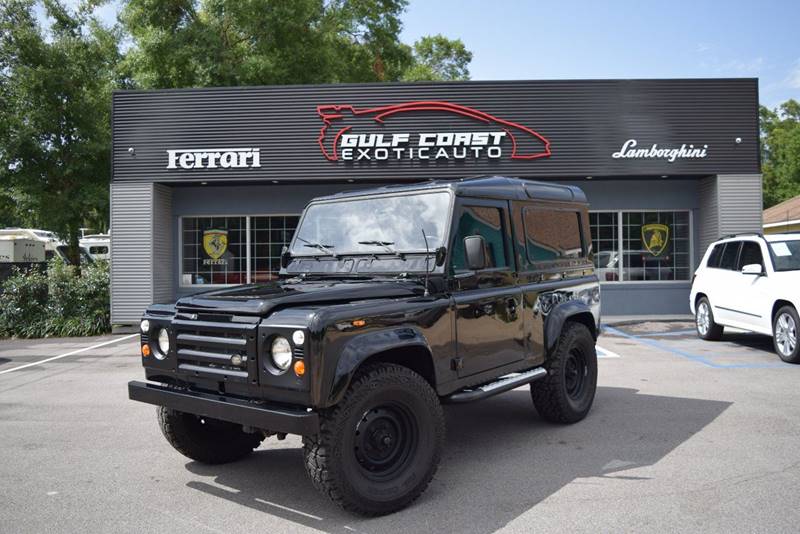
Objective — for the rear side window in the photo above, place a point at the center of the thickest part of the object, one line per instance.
(729, 255)
(715, 256)
(751, 254)
(552, 235)
(484, 221)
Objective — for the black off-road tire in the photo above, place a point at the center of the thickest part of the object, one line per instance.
(713, 331)
(346, 459)
(790, 327)
(206, 440)
(566, 394)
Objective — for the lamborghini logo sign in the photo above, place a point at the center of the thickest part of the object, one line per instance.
(655, 238)
(215, 243)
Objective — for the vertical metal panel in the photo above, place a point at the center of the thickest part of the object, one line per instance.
(131, 250)
(740, 203)
(709, 214)
(163, 245)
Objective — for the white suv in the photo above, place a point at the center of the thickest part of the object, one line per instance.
(752, 282)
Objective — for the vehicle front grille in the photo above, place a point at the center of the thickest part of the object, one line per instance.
(205, 348)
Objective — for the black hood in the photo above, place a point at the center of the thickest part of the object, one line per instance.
(260, 299)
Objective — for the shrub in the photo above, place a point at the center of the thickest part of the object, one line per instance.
(57, 302)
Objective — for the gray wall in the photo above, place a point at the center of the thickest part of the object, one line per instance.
(146, 269)
(131, 250)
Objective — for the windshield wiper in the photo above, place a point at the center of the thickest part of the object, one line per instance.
(384, 244)
(319, 246)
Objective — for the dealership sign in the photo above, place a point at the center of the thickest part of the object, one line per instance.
(438, 131)
(215, 158)
(631, 150)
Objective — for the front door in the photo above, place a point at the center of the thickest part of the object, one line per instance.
(489, 326)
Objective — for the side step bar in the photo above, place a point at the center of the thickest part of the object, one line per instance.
(501, 385)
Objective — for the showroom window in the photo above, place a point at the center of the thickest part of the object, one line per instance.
(639, 246)
(229, 250)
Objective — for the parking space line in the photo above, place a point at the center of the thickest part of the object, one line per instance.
(72, 353)
(689, 356)
(673, 333)
(605, 353)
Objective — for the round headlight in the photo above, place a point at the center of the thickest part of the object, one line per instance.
(163, 344)
(281, 353)
(144, 326)
(299, 337)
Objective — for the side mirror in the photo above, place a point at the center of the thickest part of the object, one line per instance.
(475, 250)
(286, 257)
(441, 255)
(753, 268)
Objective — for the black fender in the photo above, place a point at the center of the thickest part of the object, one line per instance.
(554, 322)
(363, 346)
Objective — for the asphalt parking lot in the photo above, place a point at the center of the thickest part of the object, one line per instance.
(684, 435)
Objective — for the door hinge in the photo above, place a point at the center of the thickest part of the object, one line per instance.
(457, 364)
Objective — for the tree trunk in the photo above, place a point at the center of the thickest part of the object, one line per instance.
(73, 247)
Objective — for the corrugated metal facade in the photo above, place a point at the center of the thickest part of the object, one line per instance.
(740, 203)
(585, 122)
(131, 250)
(709, 214)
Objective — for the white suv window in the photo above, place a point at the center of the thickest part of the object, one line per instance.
(729, 255)
(750, 254)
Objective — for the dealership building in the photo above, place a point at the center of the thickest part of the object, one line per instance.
(208, 184)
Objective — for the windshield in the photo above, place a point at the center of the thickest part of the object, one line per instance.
(785, 255)
(374, 225)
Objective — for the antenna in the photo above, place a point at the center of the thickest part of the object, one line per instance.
(427, 259)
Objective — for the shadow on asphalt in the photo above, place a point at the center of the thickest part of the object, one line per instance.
(4, 360)
(500, 461)
(753, 341)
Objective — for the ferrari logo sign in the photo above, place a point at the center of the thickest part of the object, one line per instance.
(655, 238)
(215, 243)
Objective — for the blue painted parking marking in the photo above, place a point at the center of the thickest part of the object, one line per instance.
(692, 357)
(673, 333)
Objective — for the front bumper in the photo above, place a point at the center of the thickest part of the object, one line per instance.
(257, 415)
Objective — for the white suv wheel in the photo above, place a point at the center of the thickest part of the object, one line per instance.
(703, 319)
(786, 334)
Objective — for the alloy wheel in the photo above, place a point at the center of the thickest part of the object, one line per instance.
(703, 319)
(786, 334)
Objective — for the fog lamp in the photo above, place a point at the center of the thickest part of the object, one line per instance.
(299, 337)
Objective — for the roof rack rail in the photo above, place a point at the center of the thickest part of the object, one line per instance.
(729, 236)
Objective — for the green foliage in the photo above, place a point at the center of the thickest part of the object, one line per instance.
(780, 152)
(55, 123)
(186, 43)
(59, 302)
(439, 58)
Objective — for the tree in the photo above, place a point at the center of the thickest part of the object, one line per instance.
(202, 43)
(780, 152)
(55, 134)
(439, 58)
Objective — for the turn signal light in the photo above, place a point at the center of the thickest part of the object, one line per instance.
(299, 368)
(145, 350)
(359, 322)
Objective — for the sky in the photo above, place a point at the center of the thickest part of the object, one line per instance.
(563, 39)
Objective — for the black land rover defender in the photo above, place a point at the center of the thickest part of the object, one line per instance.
(390, 302)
